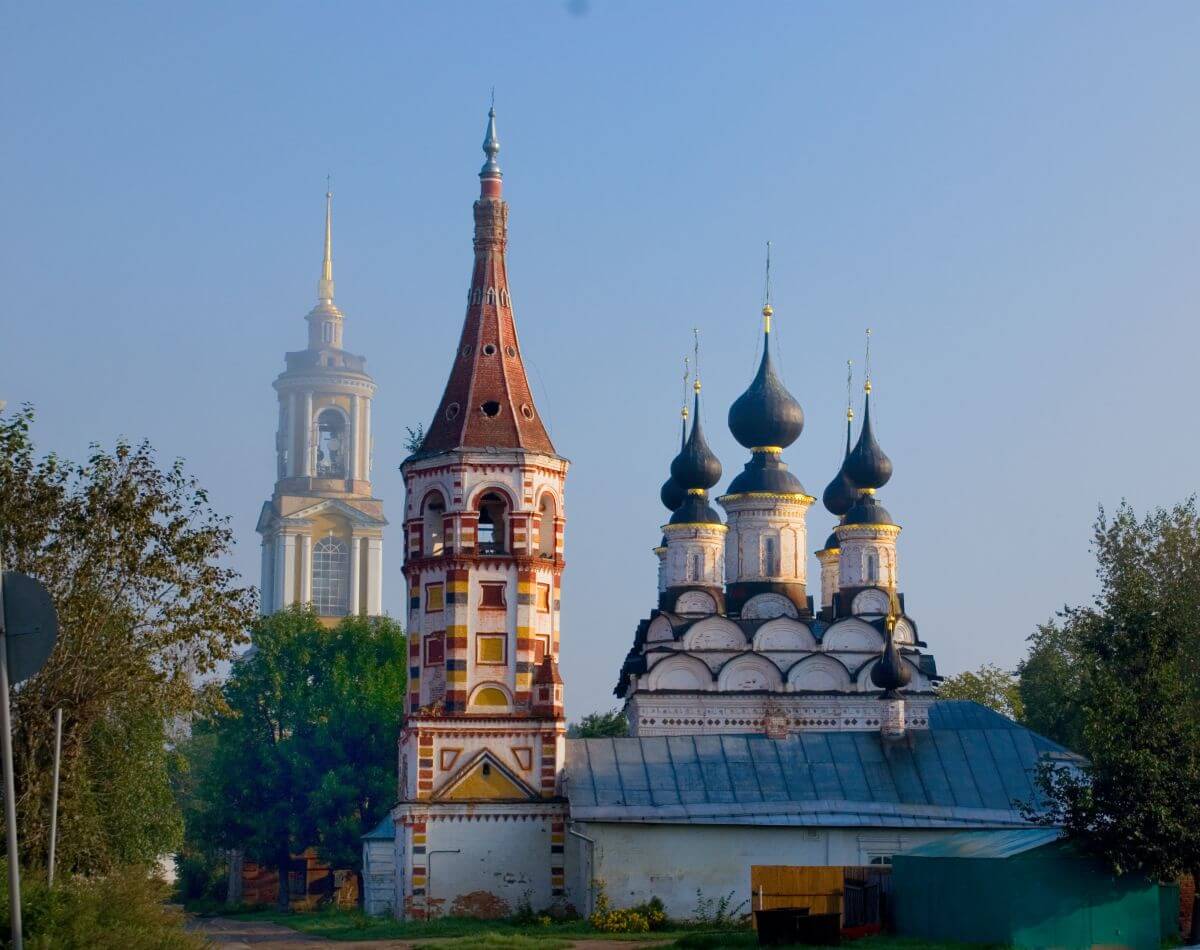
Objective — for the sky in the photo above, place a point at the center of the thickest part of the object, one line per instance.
(1005, 193)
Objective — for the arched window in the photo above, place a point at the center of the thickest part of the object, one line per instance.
(435, 510)
(872, 568)
(331, 444)
(327, 332)
(694, 567)
(492, 516)
(770, 556)
(491, 296)
(546, 526)
(330, 577)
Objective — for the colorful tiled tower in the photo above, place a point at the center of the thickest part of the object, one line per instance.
(482, 747)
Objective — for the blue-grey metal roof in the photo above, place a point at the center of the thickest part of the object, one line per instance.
(384, 831)
(968, 770)
(986, 844)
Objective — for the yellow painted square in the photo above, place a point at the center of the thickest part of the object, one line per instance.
(491, 649)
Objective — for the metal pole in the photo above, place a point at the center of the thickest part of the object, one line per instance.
(54, 796)
(10, 794)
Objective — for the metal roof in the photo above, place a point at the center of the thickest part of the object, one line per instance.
(967, 770)
(986, 844)
(384, 831)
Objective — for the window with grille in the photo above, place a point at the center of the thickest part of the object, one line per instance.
(331, 577)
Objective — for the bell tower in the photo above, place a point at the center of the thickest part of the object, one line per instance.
(322, 529)
(484, 739)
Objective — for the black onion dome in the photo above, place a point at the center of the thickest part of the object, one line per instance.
(832, 543)
(891, 672)
(766, 413)
(695, 510)
(696, 466)
(671, 494)
(766, 472)
(866, 465)
(867, 510)
(839, 494)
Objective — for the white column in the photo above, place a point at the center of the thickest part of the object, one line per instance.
(354, 441)
(366, 439)
(355, 571)
(374, 576)
(285, 571)
(293, 417)
(266, 587)
(306, 436)
(305, 568)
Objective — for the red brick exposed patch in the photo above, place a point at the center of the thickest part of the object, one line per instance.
(481, 904)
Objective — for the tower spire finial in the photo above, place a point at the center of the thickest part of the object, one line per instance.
(696, 352)
(767, 310)
(849, 399)
(490, 172)
(683, 409)
(325, 284)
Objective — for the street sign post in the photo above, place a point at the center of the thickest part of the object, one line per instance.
(28, 629)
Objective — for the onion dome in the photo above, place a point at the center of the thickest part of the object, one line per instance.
(891, 673)
(867, 510)
(766, 414)
(766, 472)
(672, 493)
(696, 467)
(832, 543)
(840, 493)
(866, 465)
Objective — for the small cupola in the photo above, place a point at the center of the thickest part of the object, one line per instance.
(696, 469)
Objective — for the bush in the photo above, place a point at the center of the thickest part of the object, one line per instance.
(200, 877)
(122, 910)
(643, 918)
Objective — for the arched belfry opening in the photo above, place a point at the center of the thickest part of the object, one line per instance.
(493, 521)
(331, 444)
(546, 514)
(433, 513)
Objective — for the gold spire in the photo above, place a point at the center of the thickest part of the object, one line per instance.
(767, 311)
(849, 387)
(325, 284)
(696, 351)
(867, 365)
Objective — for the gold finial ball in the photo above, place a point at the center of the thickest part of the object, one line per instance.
(867, 386)
(696, 385)
(767, 311)
(849, 414)
(683, 412)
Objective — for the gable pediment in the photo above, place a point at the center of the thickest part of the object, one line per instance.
(485, 777)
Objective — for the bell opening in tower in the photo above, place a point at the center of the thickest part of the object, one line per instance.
(331, 442)
(492, 514)
(435, 510)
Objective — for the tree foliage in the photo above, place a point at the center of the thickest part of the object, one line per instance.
(134, 558)
(1137, 804)
(600, 725)
(305, 753)
(1051, 682)
(989, 686)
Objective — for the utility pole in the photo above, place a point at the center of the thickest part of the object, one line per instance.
(10, 794)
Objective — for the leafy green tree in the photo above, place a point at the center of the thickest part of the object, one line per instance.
(1051, 683)
(989, 686)
(1137, 803)
(306, 753)
(133, 556)
(600, 725)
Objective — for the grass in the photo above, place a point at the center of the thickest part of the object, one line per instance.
(466, 933)
(336, 924)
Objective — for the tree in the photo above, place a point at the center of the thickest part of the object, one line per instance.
(600, 725)
(1136, 804)
(306, 753)
(1050, 683)
(133, 557)
(989, 686)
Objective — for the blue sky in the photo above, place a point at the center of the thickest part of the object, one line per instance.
(1006, 193)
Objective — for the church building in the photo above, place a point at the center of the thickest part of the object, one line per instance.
(322, 529)
(771, 724)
